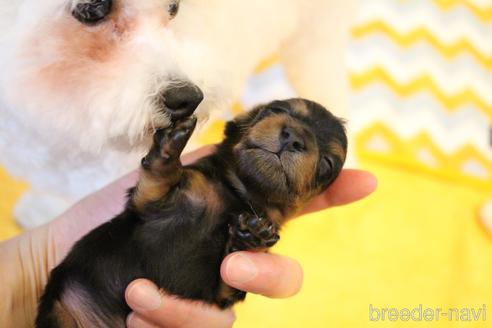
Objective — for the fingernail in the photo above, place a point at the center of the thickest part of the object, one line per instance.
(372, 182)
(240, 269)
(144, 296)
(134, 321)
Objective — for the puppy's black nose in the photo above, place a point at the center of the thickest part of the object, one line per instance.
(291, 140)
(182, 99)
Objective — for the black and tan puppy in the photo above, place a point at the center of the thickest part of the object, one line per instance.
(180, 222)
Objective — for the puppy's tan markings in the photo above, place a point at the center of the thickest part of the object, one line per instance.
(337, 150)
(226, 293)
(202, 192)
(157, 179)
(306, 170)
(266, 133)
(63, 316)
(151, 188)
(276, 216)
(299, 106)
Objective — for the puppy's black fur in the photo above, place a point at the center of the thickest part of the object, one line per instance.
(180, 222)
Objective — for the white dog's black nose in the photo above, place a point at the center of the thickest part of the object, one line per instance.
(181, 100)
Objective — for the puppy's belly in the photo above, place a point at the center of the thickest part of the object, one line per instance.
(89, 285)
(187, 263)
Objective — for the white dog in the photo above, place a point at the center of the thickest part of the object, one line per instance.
(83, 83)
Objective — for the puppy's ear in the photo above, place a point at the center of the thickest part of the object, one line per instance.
(231, 129)
(241, 123)
(232, 132)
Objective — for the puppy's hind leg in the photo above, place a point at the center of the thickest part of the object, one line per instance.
(161, 168)
(251, 232)
(246, 232)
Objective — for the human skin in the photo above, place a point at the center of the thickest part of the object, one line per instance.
(25, 261)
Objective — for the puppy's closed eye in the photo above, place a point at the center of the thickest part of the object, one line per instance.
(90, 12)
(270, 110)
(277, 110)
(326, 166)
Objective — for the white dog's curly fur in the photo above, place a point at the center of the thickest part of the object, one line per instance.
(79, 101)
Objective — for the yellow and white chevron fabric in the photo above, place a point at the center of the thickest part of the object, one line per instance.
(421, 74)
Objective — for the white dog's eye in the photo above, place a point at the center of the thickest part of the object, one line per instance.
(173, 8)
(91, 12)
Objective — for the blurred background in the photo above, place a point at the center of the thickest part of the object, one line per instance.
(420, 118)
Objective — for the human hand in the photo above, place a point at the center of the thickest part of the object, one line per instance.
(29, 258)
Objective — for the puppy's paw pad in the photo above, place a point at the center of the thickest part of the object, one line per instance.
(186, 124)
(172, 140)
(252, 232)
(182, 130)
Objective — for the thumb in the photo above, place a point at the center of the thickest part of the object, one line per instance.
(152, 306)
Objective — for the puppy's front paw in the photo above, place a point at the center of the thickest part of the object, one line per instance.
(175, 139)
(170, 142)
(248, 232)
